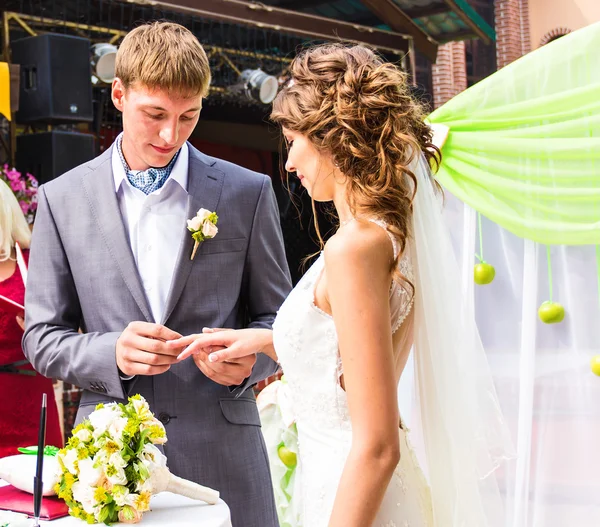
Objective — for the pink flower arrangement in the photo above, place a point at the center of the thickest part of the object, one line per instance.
(24, 188)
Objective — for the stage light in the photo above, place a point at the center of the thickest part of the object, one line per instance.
(103, 62)
(259, 85)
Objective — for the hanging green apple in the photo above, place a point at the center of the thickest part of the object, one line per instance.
(551, 312)
(595, 364)
(287, 456)
(484, 273)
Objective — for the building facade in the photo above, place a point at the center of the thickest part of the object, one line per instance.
(521, 26)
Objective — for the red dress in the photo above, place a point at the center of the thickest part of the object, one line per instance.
(21, 395)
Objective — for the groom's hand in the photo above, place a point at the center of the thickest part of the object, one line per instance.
(142, 349)
(231, 373)
(233, 370)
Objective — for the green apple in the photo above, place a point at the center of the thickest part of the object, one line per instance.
(287, 457)
(595, 364)
(551, 312)
(484, 273)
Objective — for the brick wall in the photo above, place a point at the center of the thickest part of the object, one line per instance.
(449, 73)
(71, 396)
(512, 30)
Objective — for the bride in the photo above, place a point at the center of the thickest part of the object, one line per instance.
(386, 283)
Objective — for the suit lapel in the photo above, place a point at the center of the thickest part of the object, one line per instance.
(205, 184)
(100, 192)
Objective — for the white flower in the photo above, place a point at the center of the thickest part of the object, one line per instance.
(84, 494)
(88, 474)
(102, 418)
(122, 496)
(152, 456)
(117, 461)
(84, 435)
(116, 475)
(142, 409)
(69, 459)
(194, 224)
(209, 229)
(116, 428)
(146, 486)
(203, 227)
(203, 214)
(101, 457)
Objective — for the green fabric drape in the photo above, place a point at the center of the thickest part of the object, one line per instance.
(523, 146)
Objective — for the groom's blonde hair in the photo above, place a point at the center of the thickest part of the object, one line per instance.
(163, 55)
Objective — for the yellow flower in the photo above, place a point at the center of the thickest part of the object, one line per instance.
(100, 495)
(157, 434)
(79, 427)
(132, 427)
(142, 502)
(63, 494)
(110, 447)
(69, 480)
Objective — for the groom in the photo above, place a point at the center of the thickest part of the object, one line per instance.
(111, 255)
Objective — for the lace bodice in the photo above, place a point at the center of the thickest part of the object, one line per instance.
(306, 342)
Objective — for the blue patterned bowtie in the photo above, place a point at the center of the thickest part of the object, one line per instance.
(147, 180)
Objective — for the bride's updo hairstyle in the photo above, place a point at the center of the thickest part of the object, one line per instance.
(358, 108)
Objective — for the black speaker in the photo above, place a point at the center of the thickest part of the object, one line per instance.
(56, 84)
(49, 154)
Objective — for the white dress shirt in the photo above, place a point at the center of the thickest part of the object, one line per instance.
(154, 224)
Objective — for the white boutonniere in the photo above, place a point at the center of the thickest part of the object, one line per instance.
(203, 226)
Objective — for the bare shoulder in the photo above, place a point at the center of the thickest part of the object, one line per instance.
(360, 245)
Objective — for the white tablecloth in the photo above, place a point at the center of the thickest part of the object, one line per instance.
(168, 509)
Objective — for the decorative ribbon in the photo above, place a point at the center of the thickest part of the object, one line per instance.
(480, 255)
(49, 450)
(549, 271)
(598, 269)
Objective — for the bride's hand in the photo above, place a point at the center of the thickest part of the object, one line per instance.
(231, 344)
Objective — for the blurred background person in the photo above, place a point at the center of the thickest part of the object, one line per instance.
(21, 387)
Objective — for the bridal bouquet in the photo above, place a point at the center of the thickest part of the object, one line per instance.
(111, 467)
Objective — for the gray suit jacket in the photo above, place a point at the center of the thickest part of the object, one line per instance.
(82, 274)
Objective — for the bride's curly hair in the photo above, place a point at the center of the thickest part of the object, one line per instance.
(356, 107)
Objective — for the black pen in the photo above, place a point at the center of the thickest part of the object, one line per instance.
(37, 480)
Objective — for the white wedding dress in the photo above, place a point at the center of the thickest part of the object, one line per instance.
(306, 343)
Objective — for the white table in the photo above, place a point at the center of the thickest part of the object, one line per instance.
(168, 509)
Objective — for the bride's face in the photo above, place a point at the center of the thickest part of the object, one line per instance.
(313, 168)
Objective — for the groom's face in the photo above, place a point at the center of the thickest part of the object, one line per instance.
(156, 123)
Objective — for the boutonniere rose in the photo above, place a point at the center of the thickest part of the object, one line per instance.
(203, 226)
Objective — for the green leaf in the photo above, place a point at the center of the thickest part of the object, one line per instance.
(103, 516)
(142, 471)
